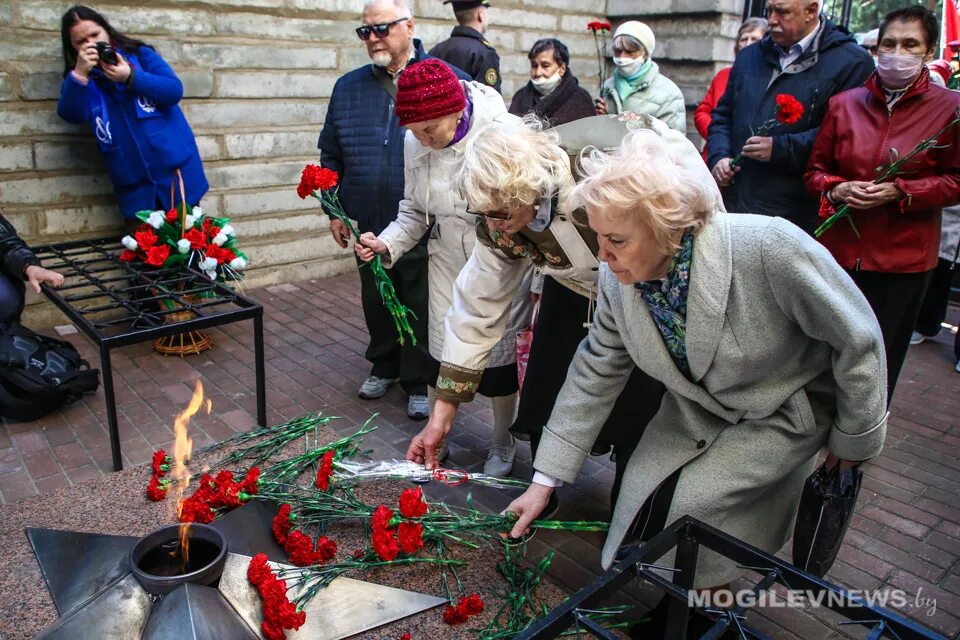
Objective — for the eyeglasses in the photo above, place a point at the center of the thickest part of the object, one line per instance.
(494, 215)
(381, 30)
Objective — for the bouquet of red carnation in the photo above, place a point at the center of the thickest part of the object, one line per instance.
(321, 183)
(787, 112)
(186, 236)
(600, 41)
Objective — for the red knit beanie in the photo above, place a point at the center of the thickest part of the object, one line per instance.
(428, 90)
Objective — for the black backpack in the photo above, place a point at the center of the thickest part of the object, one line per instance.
(38, 374)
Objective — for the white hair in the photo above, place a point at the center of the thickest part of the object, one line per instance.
(400, 5)
(651, 179)
(508, 167)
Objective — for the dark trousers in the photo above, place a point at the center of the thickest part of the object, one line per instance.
(933, 311)
(895, 299)
(409, 363)
(11, 299)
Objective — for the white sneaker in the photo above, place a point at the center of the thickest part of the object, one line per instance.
(957, 368)
(499, 462)
(916, 337)
(375, 387)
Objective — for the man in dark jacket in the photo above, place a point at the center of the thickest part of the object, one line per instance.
(18, 264)
(466, 48)
(363, 142)
(803, 55)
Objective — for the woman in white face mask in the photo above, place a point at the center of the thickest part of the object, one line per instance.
(893, 251)
(636, 83)
(553, 93)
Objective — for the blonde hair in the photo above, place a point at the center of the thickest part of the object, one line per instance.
(508, 167)
(651, 180)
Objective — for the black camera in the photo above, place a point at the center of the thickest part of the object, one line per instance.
(106, 53)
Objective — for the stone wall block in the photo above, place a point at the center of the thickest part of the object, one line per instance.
(196, 84)
(254, 114)
(6, 88)
(41, 86)
(259, 174)
(99, 220)
(209, 147)
(16, 157)
(268, 201)
(354, 7)
(276, 56)
(268, 84)
(53, 189)
(27, 122)
(282, 28)
(44, 14)
(271, 144)
(81, 154)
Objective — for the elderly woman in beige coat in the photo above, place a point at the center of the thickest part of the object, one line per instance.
(442, 115)
(767, 349)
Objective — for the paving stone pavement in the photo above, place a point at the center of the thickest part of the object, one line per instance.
(905, 535)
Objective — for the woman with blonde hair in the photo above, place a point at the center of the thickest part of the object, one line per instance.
(767, 349)
(518, 181)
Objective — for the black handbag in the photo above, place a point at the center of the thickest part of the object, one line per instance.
(826, 507)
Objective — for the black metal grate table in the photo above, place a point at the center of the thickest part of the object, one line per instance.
(686, 536)
(116, 303)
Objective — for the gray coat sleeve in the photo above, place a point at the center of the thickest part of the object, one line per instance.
(597, 375)
(814, 291)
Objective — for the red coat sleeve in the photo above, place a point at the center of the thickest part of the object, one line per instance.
(821, 175)
(701, 117)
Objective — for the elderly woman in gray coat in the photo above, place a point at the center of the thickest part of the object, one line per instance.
(767, 349)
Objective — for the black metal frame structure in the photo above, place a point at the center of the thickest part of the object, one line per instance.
(116, 303)
(686, 535)
(758, 9)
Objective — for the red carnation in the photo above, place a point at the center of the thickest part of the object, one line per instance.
(160, 462)
(258, 569)
(145, 237)
(596, 25)
(385, 545)
(282, 524)
(473, 604)
(172, 216)
(325, 471)
(789, 110)
(250, 481)
(299, 548)
(410, 536)
(381, 517)
(412, 504)
(454, 615)
(194, 510)
(315, 178)
(156, 490)
(205, 488)
(220, 254)
(326, 550)
(156, 256)
(406, 636)
(128, 256)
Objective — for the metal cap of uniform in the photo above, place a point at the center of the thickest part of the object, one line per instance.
(465, 6)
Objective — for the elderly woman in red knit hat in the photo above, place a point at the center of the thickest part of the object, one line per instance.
(442, 114)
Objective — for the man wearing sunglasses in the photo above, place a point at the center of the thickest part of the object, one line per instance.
(466, 47)
(363, 142)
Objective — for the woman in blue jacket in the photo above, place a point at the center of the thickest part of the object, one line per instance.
(129, 95)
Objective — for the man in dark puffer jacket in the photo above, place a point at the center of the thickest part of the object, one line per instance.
(803, 55)
(363, 142)
(18, 264)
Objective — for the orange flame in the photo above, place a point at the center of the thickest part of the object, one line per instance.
(182, 448)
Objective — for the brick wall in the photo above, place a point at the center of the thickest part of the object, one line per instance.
(257, 75)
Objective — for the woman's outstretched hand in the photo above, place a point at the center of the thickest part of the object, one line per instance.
(527, 507)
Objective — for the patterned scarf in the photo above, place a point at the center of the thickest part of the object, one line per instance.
(667, 301)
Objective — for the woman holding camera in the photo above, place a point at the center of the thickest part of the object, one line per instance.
(129, 95)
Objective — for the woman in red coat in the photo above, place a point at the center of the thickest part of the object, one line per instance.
(752, 30)
(893, 251)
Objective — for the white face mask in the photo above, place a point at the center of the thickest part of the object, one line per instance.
(629, 66)
(546, 85)
(898, 70)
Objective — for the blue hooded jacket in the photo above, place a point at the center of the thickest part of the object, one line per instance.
(833, 63)
(149, 135)
(362, 140)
